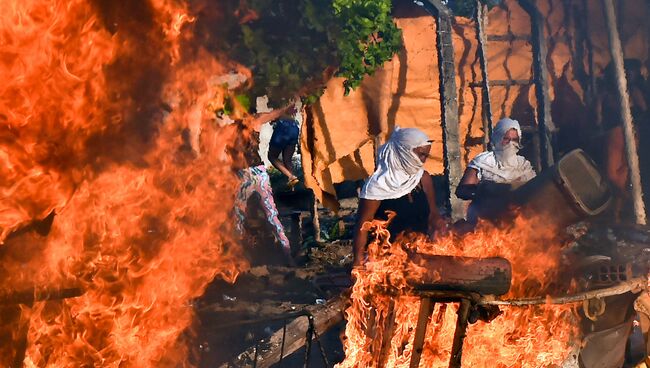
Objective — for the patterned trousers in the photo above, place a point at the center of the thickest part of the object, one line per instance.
(256, 180)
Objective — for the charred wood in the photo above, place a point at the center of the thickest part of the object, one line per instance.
(271, 350)
(35, 295)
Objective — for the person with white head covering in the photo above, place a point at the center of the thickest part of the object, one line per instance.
(399, 184)
(495, 172)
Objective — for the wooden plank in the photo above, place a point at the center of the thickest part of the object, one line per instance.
(625, 111)
(508, 37)
(480, 19)
(449, 102)
(459, 334)
(387, 336)
(542, 82)
(426, 308)
(502, 83)
(269, 351)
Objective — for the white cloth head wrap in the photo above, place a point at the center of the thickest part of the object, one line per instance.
(503, 164)
(501, 129)
(399, 169)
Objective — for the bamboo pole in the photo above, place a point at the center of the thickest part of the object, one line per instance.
(626, 114)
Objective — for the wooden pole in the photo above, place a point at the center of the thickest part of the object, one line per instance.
(449, 102)
(480, 18)
(387, 335)
(625, 111)
(542, 82)
(459, 334)
(634, 285)
(426, 308)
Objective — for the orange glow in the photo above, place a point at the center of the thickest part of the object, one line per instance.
(108, 123)
(539, 336)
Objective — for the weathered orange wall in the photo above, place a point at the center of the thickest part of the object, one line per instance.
(341, 134)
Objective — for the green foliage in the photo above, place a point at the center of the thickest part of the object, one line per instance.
(292, 42)
(368, 38)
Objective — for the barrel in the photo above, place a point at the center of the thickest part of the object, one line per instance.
(571, 190)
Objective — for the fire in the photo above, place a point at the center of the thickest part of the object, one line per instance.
(107, 129)
(539, 336)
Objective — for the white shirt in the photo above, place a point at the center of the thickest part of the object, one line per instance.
(489, 169)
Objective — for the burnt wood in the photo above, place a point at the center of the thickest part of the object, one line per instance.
(542, 82)
(424, 314)
(459, 334)
(449, 102)
(480, 19)
(28, 297)
(461, 274)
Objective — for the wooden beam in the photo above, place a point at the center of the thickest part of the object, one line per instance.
(449, 102)
(634, 285)
(502, 83)
(269, 351)
(542, 82)
(426, 308)
(387, 334)
(508, 37)
(625, 111)
(480, 19)
(28, 297)
(459, 334)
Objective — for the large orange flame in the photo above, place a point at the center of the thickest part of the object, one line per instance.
(540, 336)
(107, 123)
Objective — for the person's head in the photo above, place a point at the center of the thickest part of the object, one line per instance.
(423, 152)
(412, 146)
(506, 132)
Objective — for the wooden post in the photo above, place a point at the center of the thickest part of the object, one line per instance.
(480, 18)
(542, 81)
(388, 330)
(449, 102)
(426, 308)
(459, 334)
(626, 113)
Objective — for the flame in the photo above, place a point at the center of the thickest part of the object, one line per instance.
(107, 129)
(536, 336)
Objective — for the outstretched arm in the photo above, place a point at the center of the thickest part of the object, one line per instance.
(365, 213)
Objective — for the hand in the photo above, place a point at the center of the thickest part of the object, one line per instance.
(437, 226)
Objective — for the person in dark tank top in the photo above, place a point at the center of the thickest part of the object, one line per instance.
(400, 185)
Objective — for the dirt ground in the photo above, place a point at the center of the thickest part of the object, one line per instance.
(233, 317)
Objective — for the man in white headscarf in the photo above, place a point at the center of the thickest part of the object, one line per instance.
(401, 185)
(494, 173)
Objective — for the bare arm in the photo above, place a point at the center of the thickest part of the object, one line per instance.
(436, 222)
(365, 213)
(467, 187)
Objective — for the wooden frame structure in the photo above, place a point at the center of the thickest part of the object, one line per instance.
(449, 102)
